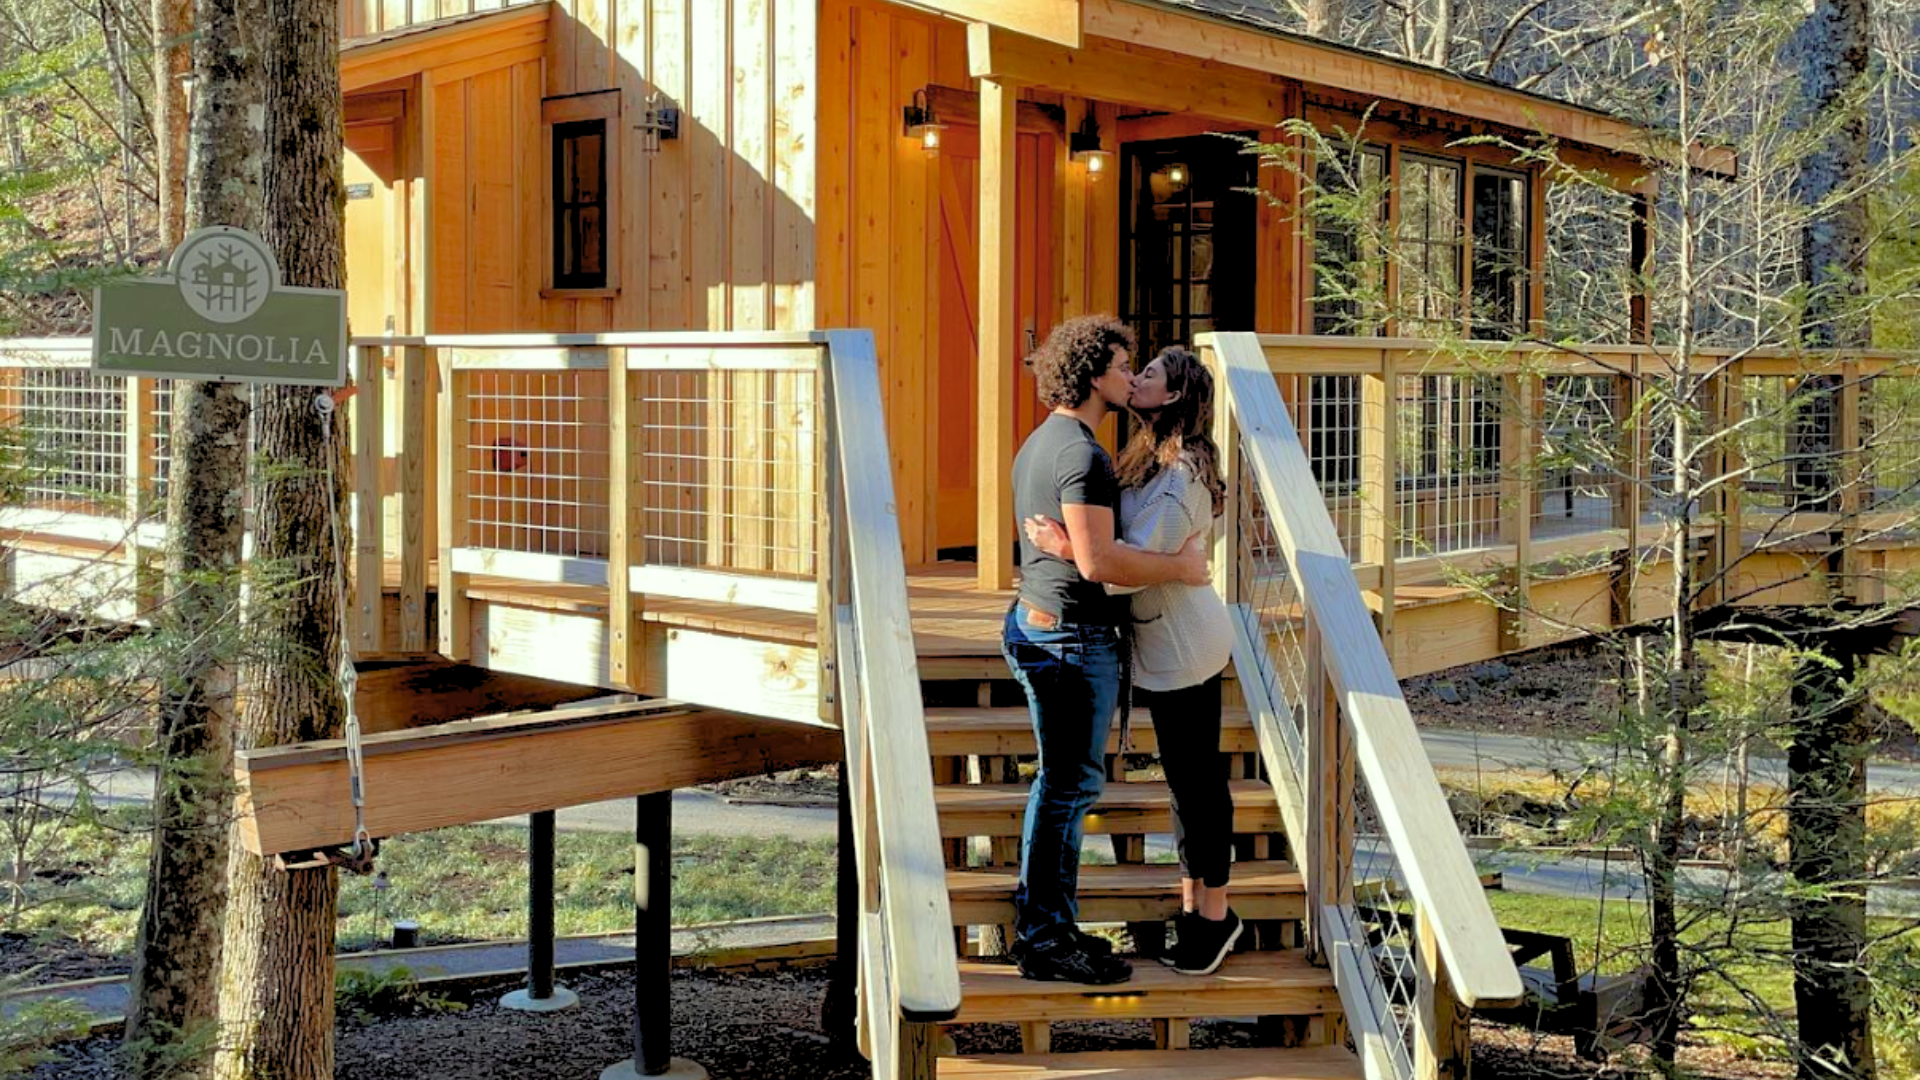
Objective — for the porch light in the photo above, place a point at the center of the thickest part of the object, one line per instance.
(1084, 145)
(658, 121)
(1177, 175)
(918, 122)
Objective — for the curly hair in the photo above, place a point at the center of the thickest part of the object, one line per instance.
(1183, 430)
(1075, 354)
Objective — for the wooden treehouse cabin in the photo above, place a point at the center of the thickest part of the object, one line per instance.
(689, 337)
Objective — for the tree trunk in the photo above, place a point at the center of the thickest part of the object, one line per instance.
(1322, 17)
(173, 987)
(172, 21)
(276, 996)
(1826, 784)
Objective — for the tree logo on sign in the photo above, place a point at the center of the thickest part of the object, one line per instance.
(224, 275)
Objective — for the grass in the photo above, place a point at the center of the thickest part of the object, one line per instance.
(1750, 960)
(465, 883)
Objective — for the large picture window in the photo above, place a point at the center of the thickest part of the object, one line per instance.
(1500, 280)
(1346, 266)
(580, 205)
(1429, 241)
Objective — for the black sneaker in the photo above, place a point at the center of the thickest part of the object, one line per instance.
(1204, 944)
(1066, 960)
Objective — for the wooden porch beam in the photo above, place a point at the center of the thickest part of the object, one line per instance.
(1057, 21)
(1110, 71)
(295, 798)
(994, 435)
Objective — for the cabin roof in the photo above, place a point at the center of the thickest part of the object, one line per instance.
(1425, 85)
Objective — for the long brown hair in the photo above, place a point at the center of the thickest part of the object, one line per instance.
(1182, 429)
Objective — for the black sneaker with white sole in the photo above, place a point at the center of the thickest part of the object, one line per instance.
(1067, 959)
(1204, 943)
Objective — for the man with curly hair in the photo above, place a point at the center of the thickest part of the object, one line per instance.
(1062, 637)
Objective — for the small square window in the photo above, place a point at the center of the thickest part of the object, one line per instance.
(580, 205)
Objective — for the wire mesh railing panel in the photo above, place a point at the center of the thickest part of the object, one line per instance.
(1579, 457)
(1326, 411)
(535, 444)
(1448, 484)
(728, 464)
(1890, 444)
(1789, 433)
(1272, 603)
(162, 417)
(73, 422)
(1388, 920)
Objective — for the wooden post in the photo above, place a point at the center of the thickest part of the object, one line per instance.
(1443, 1028)
(137, 472)
(626, 504)
(827, 554)
(1848, 446)
(1631, 447)
(369, 564)
(455, 613)
(1379, 504)
(1226, 436)
(411, 387)
(1519, 423)
(540, 993)
(994, 434)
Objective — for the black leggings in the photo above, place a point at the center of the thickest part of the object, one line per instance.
(1187, 723)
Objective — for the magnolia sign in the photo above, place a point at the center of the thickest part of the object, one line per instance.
(221, 313)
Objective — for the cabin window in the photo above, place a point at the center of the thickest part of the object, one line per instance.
(580, 205)
(1500, 279)
(1430, 243)
(1346, 262)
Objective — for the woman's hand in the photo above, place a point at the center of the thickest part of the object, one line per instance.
(1049, 536)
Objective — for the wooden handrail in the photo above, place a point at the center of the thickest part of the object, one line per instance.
(1438, 872)
(923, 965)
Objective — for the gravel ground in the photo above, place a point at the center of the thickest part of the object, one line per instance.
(756, 1027)
(51, 960)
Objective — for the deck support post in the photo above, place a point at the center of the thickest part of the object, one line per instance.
(839, 1012)
(1443, 1038)
(540, 995)
(653, 947)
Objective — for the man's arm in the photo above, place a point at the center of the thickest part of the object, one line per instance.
(1101, 558)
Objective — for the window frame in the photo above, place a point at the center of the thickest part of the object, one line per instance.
(1524, 315)
(556, 113)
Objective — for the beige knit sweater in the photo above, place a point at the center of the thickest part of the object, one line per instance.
(1182, 635)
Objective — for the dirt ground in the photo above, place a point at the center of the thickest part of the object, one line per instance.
(761, 1027)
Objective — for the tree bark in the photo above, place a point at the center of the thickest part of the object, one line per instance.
(172, 21)
(276, 995)
(173, 987)
(1826, 782)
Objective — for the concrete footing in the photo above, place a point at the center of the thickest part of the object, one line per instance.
(522, 1000)
(677, 1069)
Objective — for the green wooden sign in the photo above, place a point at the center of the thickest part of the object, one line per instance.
(221, 313)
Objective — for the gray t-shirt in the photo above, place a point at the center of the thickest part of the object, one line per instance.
(1062, 464)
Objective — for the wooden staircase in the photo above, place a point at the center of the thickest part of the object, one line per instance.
(981, 800)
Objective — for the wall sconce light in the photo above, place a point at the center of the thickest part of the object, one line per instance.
(658, 121)
(918, 122)
(1178, 176)
(1084, 146)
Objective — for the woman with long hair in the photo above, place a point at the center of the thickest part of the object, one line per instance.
(1182, 638)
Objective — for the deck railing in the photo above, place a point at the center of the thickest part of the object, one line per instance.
(1477, 458)
(1394, 903)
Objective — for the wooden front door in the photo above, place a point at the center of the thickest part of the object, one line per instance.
(1037, 308)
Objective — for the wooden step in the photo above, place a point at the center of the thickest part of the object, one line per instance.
(957, 731)
(1248, 984)
(1303, 1063)
(1133, 893)
(996, 809)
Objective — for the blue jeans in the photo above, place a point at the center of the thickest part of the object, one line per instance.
(1071, 674)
